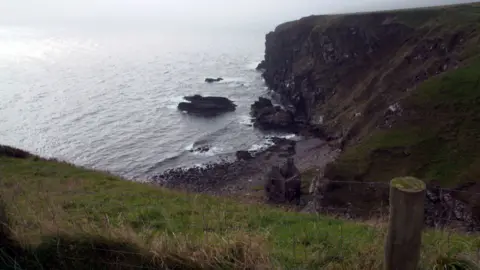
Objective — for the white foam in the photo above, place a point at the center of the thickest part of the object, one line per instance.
(210, 153)
(234, 79)
(262, 146)
(245, 120)
(176, 99)
(253, 65)
(288, 136)
(189, 147)
(199, 165)
(172, 103)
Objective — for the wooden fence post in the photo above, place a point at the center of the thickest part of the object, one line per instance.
(403, 241)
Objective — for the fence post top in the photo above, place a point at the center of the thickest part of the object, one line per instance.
(408, 184)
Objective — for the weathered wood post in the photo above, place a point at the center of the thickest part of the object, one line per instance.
(403, 241)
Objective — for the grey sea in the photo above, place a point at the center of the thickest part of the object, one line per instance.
(107, 99)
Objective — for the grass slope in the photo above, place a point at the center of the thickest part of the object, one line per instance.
(437, 138)
(63, 217)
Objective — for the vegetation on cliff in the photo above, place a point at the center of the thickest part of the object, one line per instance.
(58, 216)
(437, 136)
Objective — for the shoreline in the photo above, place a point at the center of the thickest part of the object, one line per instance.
(245, 177)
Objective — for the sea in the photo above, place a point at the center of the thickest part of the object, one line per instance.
(107, 100)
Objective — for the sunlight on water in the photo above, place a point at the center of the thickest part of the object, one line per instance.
(24, 44)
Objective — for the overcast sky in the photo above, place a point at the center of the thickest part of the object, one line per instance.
(186, 12)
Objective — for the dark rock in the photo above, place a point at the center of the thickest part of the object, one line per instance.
(211, 80)
(443, 209)
(288, 149)
(275, 185)
(259, 105)
(283, 184)
(206, 106)
(289, 169)
(243, 155)
(284, 147)
(275, 119)
(269, 117)
(201, 149)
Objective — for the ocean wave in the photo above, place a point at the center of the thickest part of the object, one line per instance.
(260, 146)
(252, 65)
(286, 136)
(234, 79)
(172, 102)
(269, 141)
(213, 151)
(245, 120)
(189, 147)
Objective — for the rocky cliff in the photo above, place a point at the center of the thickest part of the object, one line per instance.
(397, 89)
(346, 74)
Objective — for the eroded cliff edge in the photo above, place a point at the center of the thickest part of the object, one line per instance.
(398, 90)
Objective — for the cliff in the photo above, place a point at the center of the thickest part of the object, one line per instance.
(397, 90)
(350, 76)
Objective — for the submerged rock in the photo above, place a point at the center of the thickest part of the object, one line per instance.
(201, 149)
(211, 80)
(206, 106)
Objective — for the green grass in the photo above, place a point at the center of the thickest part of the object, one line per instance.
(437, 139)
(62, 216)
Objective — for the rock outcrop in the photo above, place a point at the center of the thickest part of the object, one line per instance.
(269, 117)
(283, 184)
(206, 106)
(340, 74)
(243, 155)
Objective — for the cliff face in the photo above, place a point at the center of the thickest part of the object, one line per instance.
(398, 90)
(346, 74)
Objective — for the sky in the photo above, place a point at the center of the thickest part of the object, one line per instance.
(186, 13)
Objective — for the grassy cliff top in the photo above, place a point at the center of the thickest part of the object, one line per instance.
(64, 217)
(428, 16)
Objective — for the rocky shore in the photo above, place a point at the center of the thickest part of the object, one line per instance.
(246, 176)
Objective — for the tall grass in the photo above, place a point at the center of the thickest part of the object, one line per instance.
(58, 216)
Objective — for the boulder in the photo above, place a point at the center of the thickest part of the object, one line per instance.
(259, 105)
(275, 186)
(445, 208)
(275, 119)
(269, 117)
(212, 80)
(283, 184)
(201, 149)
(243, 155)
(206, 106)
